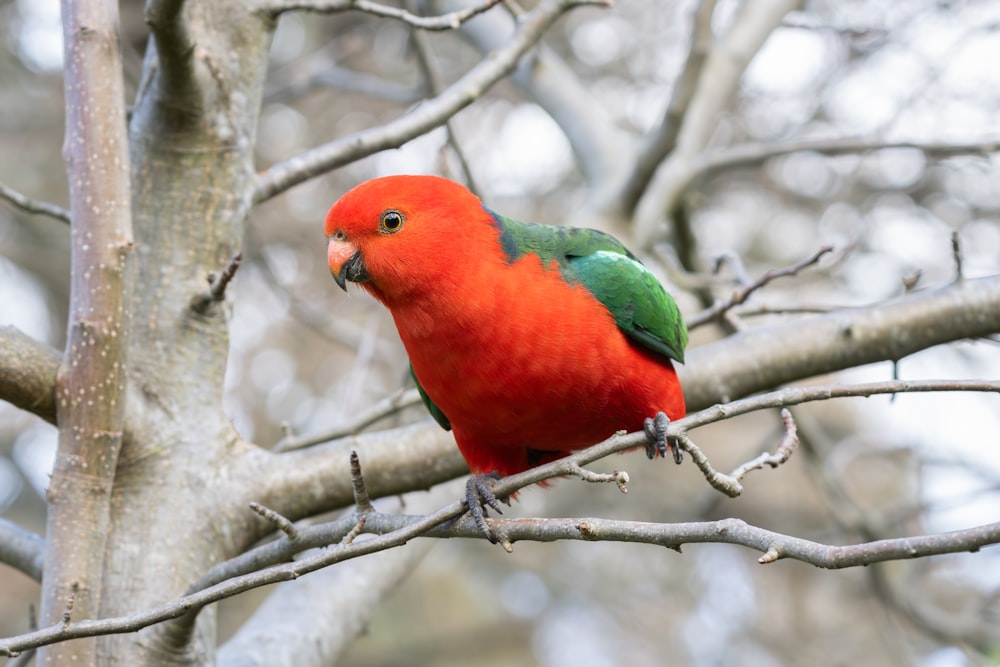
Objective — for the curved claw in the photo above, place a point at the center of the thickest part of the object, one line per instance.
(656, 431)
(478, 495)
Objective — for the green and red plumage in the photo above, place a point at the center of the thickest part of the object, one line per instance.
(528, 341)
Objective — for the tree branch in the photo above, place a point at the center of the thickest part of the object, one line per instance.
(312, 620)
(28, 205)
(448, 21)
(721, 307)
(753, 360)
(28, 370)
(91, 382)
(769, 356)
(174, 48)
(424, 117)
(723, 68)
(384, 408)
(598, 142)
(733, 531)
(753, 154)
(22, 549)
(308, 537)
(660, 143)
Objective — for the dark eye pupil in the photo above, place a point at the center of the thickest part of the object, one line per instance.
(392, 220)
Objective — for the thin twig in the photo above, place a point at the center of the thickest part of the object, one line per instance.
(384, 408)
(361, 499)
(752, 154)
(956, 253)
(281, 522)
(422, 118)
(619, 477)
(720, 308)
(28, 205)
(217, 286)
(449, 21)
(67, 614)
(789, 443)
(354, 532)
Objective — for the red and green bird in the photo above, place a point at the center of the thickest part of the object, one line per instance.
(528, 341)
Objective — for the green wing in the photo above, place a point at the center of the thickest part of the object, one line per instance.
(432, 408)
(642, 308)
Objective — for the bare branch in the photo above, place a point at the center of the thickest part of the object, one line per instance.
(344, 597)
(956, 253)
(91, 383)
(314, 536)
(598, 142)
(420, 120)
(28, 372)
(752, 154)
(280, 522)
(719, 78)
(384, 408)
(733, 531)
(660, 143)
(720, 308)
(449, 21)
(289, 87)
(730, 484)
(812, 345)
(217, 286)
(420, 455)
(174, 49)
(22, 549)
(361, 499)
(187, 604)
(28, 205)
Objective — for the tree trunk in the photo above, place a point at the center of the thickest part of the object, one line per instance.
(168, 514)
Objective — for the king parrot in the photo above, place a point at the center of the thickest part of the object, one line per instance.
(528, 341)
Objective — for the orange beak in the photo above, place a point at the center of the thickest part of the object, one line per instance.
(346, 263)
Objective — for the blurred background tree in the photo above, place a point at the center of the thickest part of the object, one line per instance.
(720, 139)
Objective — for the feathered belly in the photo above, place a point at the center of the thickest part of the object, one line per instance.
(545, 370)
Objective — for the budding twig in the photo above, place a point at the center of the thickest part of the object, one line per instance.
(720, 309)
(282, 523)
(361, 498)
(216, 286)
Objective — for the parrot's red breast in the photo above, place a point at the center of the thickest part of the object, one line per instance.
(524, 364)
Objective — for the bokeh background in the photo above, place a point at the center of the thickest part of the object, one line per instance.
(306, 357)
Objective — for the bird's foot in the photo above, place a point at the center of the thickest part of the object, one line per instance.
(478, 495)
(656, 431)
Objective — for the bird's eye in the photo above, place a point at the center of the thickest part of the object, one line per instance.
(391, 221)
(339, 235)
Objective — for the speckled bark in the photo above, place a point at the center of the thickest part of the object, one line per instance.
(137, 528)
(90, 387)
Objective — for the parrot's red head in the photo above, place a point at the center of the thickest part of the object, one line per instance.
(398, 234)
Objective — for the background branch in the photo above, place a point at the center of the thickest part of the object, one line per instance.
(28, 205)
(448, 21)
(420, 120)
(28, 370)
(661, 142)
(547, 80)
(22, 549)
(723, 68)
(812, 345)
